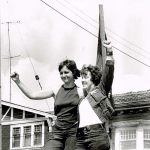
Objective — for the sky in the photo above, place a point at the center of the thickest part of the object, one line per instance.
(42, 37)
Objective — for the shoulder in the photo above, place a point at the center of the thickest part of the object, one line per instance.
(80, 92)
(98, 94)
(57, 89)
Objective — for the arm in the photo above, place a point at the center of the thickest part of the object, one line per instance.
(32, 95)
(108, 72)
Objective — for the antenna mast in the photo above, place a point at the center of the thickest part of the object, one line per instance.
(10, 57)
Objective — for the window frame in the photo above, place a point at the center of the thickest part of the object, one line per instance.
(127, 135)
(145, 127)
(139, 136)
(21, 126)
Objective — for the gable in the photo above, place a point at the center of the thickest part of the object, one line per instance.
(13, 114)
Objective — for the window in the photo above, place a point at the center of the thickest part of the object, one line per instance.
(132, 138)
(147, 138)
(128, 139)
(16, 137)
(6, 111)
(29, 114)
(27, 135)
(17, 113)
(37, 135)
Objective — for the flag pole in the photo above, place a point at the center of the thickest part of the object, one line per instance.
(101, 50)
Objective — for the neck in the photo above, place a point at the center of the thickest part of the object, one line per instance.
(69, 85)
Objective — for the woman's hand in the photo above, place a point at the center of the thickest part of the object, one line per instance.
(15, 77)
(107, 44)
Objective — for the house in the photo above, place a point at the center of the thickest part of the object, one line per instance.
(24, 128)
(130, 125)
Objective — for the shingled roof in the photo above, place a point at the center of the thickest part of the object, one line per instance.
(132, 100)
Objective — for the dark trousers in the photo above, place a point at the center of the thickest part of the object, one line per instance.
(92, 137)
(62, 139)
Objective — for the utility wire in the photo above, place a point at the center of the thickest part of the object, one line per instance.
(68, 18)
(128, 47)
(36, 76)
(82, 12)
(91, 32)
(128, 41)
(77, 14)
(131, 56)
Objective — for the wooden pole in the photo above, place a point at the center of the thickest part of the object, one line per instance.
(101, 51)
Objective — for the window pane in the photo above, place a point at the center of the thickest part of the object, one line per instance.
(147, 138)
(128, 139)
(18, 114)
(128, 145)
(29, 115)
(4, 110)
(16, 137)
(37, 134)
(27, 136)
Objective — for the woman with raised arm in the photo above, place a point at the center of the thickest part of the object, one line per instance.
(65, 106)
(95, 109)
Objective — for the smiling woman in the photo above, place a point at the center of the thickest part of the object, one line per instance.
(65, 105)
(95, 109)
(90, 74)
(68, 71)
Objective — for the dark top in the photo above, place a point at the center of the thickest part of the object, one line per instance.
(98, 98)
(66, 107)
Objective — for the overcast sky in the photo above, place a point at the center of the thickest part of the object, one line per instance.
(44, 37)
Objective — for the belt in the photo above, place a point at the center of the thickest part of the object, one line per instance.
(91, 127)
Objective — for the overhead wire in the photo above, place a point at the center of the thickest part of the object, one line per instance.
(129, 47)
(82, 12)
(128, 41)
(28, 56)
(107, 29)
(76, 14)
(131, 57)
(36, 76)
(91, 32)
(68, 18)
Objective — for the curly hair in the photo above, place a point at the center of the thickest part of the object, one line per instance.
(96, 73)
(71, 65)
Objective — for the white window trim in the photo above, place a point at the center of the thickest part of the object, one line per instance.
(145, 127)
(139, 136)
(32, 131)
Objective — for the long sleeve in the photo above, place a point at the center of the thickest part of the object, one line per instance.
(107, 75)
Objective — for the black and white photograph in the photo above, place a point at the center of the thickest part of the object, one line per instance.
(74, 75)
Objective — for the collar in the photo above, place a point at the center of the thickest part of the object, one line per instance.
(70, 88)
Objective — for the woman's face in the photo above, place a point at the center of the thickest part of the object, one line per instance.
(66, 75)
(86, 81)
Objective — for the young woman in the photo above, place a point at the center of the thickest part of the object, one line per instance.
(93, 109)
(65, 107)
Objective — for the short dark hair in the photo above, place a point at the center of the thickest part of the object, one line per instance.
(71, 65)
(96, 73)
